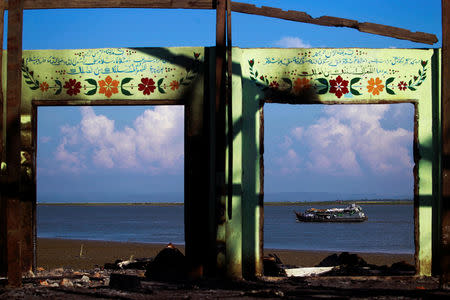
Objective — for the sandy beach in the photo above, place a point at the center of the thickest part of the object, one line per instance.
(56, 253)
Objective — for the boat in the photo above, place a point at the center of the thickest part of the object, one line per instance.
(351, 213)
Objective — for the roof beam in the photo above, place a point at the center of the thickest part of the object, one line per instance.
(58, 4)
(291, 15)
(298, 16)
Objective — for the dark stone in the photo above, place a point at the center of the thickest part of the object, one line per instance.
(329, 261)
(168, 265)
(343, 259)
(273, 266)
(110, 266)
(402, 268)
(124, 282)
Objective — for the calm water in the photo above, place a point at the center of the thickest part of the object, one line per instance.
(390, 228)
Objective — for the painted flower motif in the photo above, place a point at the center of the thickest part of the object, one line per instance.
(73, 87)
(147, 86)
(196, 55)
(339, 86)
(375, 86)
(108, 86)
(274, 85)
(251, 62)
(174, 85)
(261, 77)
(300, 84)
(402, 85)
(43, 86)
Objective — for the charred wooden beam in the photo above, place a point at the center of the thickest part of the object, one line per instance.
(3, 257)
(57, 4)
(220, 138)
(12, 192)
(298, 16)
(229, 104)
(444, 252)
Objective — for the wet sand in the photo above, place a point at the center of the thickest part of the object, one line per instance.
(56, 253)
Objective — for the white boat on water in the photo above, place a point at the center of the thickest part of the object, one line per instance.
(351, 213)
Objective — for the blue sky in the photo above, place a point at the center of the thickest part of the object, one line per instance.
(141, 166)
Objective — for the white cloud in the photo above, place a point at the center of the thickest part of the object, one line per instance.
(69, 161)
(288, 163)
(45, 139)
(297, 132)
(399, 111)
(160, 136)
(332, 147)
(292, 42)
(286, 143)
(351, 135)
(154, 144)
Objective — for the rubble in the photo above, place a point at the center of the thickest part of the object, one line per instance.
(165, 278)
(168, 265)
(346, 264)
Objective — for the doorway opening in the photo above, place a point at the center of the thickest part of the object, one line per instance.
(326, 156)
(110, 183)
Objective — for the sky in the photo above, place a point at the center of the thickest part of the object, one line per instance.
(112, 154)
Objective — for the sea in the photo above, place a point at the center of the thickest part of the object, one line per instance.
(389, 228)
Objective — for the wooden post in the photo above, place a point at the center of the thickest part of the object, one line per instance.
(14, 89)
(3, 257)
(220, 138)
(445, 207)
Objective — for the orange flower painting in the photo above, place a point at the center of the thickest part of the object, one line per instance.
(174, 85)
(44, 86)
(300, 84)
(108, 86)
(375, 86)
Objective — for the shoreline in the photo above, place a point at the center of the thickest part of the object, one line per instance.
(281, 203)
(88, 254)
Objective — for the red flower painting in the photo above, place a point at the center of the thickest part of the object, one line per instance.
(73, 87)
(147, 86)
(274, 85)
(402, 85)
(339, 86)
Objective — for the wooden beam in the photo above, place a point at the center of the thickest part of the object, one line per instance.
(58, 4)
(292, 15)
(229, 104)
(14, 90)
(3, 257)
(298, 16)
(444, 252)
(220, 139)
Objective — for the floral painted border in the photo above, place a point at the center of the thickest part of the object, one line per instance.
(337, 86)
(109, 86)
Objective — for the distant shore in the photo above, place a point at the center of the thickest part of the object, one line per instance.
(312, 203)
(84, 254)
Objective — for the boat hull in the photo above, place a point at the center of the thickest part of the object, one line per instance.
(330, 220)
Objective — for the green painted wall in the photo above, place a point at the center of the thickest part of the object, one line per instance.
(341, 76)
(326, 76)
